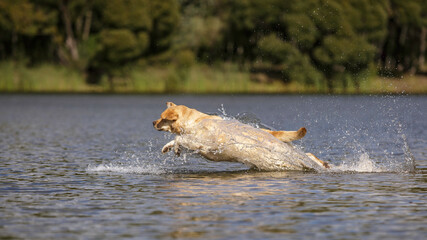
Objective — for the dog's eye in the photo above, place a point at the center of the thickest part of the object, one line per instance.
(168, 120)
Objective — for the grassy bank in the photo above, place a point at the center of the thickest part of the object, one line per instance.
(199, 79)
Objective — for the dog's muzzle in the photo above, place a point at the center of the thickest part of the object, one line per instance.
(156, 125)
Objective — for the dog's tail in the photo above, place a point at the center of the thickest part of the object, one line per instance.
(288, 136)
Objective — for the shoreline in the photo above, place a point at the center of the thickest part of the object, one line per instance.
(199, 79)
(208, 94)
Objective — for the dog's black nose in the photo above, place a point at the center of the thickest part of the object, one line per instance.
(154, 123)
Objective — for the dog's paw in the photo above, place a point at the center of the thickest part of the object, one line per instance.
(177, 150)
(166, 148)
(326, 165)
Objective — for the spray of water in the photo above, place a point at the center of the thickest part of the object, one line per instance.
(134, 159)
(377, 141)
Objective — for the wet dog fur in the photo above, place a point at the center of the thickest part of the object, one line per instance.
(182, 120)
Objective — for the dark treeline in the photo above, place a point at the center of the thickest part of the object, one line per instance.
(330, 41)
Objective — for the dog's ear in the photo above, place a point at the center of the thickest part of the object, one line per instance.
(170, 104)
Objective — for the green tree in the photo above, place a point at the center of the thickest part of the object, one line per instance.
(404, 48)
(320, 37)
(20, 20)
(295, 65)
(131, 30)
(201, 29)
(250, 20)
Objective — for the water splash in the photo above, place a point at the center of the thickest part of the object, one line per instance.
(409, 163)
(123, 168)
(135, 158)
(363, 164)
(374, 141)
(146, 158)
(222, 111)
(252, 120)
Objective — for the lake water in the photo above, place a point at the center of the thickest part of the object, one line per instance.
(90, 167)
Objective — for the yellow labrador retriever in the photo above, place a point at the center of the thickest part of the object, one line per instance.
(218, 139)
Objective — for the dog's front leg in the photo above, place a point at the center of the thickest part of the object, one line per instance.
(168, 146)
(172, 144)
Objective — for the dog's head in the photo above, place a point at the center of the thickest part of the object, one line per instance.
(169, 119)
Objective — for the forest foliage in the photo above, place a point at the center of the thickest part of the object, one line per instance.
(330, 41)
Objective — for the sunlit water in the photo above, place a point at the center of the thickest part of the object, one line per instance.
(90, 167)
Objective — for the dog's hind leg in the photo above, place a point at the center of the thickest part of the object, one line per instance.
(288, 136)
(318, 161)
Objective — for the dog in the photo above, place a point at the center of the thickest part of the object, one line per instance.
(219, 139)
